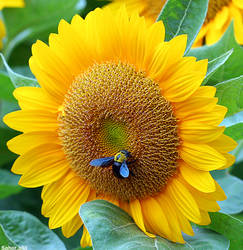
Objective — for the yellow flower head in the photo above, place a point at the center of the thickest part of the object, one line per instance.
(220, 15)
(111, 83)
(150, 9)
(7, 4)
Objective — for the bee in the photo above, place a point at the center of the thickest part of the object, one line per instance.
(118, 162)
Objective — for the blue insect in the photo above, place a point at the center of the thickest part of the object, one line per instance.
(118, 162)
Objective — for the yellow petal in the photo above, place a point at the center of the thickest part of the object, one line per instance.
(71, 44)
(218, 195)
(44, 173)
(137, 215)
(206, 204)
(72, 226)
(157, 218)
(238, 3)
(171, 214)
(202, 156)
(223, 144)
(238, 23)
(30, 120)
(205, 91)
(183, 200)
(12, 4)
(49, 85)
(230, 160)
(180, 84)
(46, 154)
(201, 180)
(51, 192)
(191, 131)
(69, 202)
(155, 35)
(221, 18)
(86, 239)
(52, 65)
(23, 143)
(32, 98)
(194, 105)
(184, 223)
(212, 118)
(205, 218)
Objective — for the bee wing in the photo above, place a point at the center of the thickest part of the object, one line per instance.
(102, 162)
(124, 170)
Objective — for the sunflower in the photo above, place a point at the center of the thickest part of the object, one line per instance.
(7, 4)
(150, 9)
(111, 83)
(219, 16)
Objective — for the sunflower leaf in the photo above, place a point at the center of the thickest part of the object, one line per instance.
(183, 17)
(232, 68)
(233, 188)
(26, 230)
(230, 94)
(234, 126)
(214, 64)
(111, 228)
(17, 79)
(8, 184)
(229, 226)
(4, 239)
(6, 87)
(235, 131)
(38, 18)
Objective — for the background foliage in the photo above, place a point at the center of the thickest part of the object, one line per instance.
(21, 223)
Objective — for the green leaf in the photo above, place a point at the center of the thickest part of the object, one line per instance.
(23, 70)
(230, 94)
(6, 87)
(235, 131)
(26, 230)
(234, 126)
(228, 226)
(215, 63)
(238, 216)
(206, 240)
(232, 68)
(8, 184)
(233, 188)
(183, 17)
(17, 79)
(36, 19)
(112, 228)
(4, 239)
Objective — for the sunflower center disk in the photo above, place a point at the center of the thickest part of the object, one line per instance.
(214, 7)
(113, 107)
